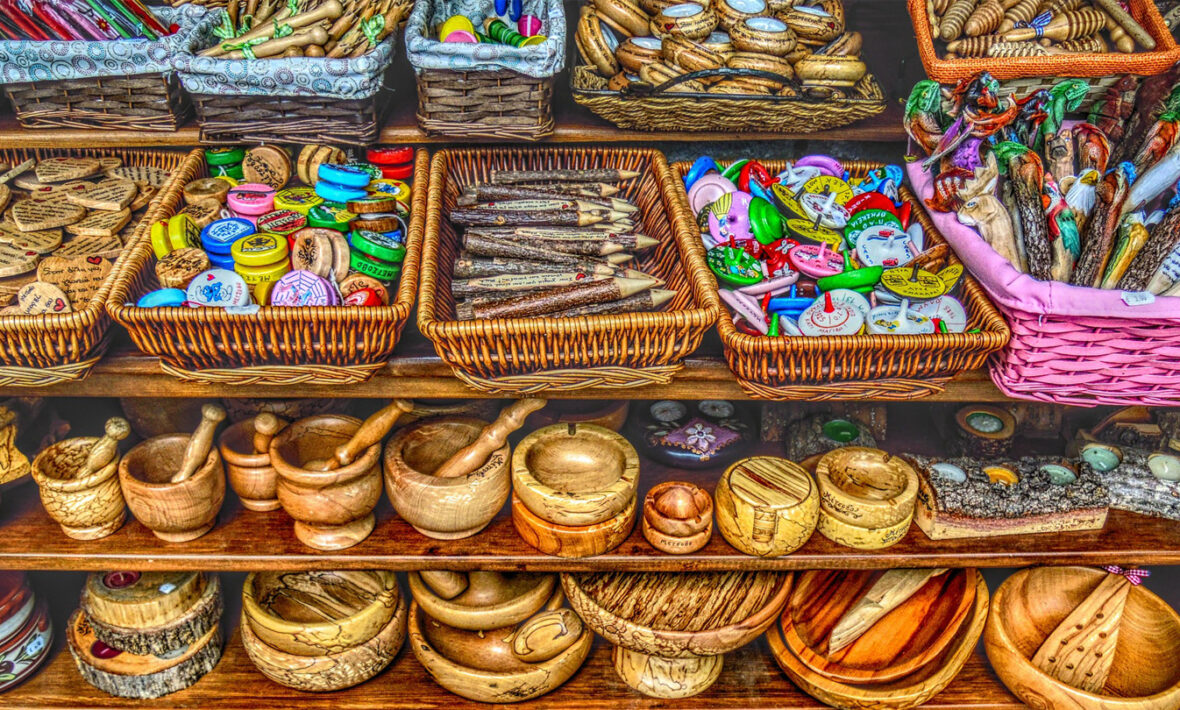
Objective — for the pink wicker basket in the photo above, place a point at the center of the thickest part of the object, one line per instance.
(1070, 345)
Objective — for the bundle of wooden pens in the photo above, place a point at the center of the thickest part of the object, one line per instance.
(1030, 28)
(1090, 204)
(553, 243)
(258, 29)
(80, 20)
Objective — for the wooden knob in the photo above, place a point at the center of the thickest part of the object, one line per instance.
(200, 442)
(266, 425)
(105, 449)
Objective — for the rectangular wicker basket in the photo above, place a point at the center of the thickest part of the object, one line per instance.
(277, 345)
(890, 367)
(526, 355)
(48, 349)
(145, 102)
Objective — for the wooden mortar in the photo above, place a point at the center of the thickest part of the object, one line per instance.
(175, 512)
(246, 452)
(333, 510)
(444, 508)
(78, 485)
(480, 601)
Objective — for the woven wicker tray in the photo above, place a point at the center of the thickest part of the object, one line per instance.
(890, 367)
(525, 355)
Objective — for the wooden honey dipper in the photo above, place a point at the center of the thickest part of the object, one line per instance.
(104, 450)
(370, 432)
(266, 426)
(493, 436)
(200, 442)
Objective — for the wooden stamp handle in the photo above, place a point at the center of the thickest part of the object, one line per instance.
(266, 425)
(493, 436)
(200, 442)
(372, 431)
(105, 449)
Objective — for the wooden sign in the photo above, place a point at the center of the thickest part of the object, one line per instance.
(14, 261)
(45, 213)
(63, 169)
(40, 297)
(141, 174)
(101, 224)
(79, 277)
(42, 242)
(106, 247)
(110, 194)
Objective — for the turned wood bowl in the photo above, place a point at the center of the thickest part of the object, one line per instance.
(575, 474)
(866, 487)
(333, 510)
(175, 512)
(318, 613)
(899, 644)
(489, 666)
(87, 507)
(444, 508)
(1028, 607)
(250, 474)
(908, 692)
(678, 615)
(487, 600)
(677, 517)
(570, 540)
(333, 671)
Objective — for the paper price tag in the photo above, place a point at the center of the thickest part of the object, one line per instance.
(1138, 298)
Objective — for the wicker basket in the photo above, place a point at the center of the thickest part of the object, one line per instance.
(1042, 72)
(661, 110)
(527, 355)
(323, 345)
(889, 367)
(48, 349)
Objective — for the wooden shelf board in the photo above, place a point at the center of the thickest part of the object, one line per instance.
(245, 540)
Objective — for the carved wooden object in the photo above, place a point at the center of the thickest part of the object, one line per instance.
(677, 517)
(175, 512)
(484, 600)
(866, 487)
(491, 439)
(570, 540)
(766, 506)
(245, 447)
(78, 483)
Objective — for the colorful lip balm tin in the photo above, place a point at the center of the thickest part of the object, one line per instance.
(251, 199)
(219, 288)
(303, 288)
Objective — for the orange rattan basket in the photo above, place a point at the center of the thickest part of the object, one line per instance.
(890, 367)
(524, 355)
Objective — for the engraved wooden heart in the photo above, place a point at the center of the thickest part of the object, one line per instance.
(63, 169)
(143, 197)
(140, 174)
(14, 261)
(110, 194)
(108, 247)
(45, 213)
(40, 297)
(79, 277)
(101, 224)
(42, 242)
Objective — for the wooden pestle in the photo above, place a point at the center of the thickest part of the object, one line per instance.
(330, 10)
(104, 450)
(200, 442)
(472, 456)
(371, 431)
(447, 585)
(266, 425)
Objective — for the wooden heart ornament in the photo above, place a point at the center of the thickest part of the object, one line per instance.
(37, 213)
(101, 224)
(107, 247)
(110, 194)
(40, 297)
(63, 169)
(140, 174)
(42, 242)
(80, 278)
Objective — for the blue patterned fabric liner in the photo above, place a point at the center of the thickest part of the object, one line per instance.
(23, 61)
(426, 52)
(347, 78)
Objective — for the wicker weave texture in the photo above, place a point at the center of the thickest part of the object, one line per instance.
(277, 345)
(1058, 66)
(302, 119)
(503, 105)
(680, 112)
(135, 103)
(621, 350)
(896, 367)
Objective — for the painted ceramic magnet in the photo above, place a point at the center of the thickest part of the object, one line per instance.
(692, 434)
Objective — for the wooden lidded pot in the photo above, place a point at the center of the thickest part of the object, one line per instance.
(176, 512)
(79, 486)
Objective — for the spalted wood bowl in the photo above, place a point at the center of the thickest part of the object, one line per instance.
(899, 644)
(490, 600)
(87, 507)
(318, 613)
(678, 615)
(908, 692)
(1029, 605)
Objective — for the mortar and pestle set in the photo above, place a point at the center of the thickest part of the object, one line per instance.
(493, 637)
(79, 488)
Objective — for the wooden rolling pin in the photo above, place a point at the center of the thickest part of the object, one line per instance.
(266, 426)
(1070, 25)
(104, 450)
(371, 431)
(200, 442)
(493, 436)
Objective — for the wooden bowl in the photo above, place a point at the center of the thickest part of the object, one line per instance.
(334, 671)
(175, 512)
(909, 692)
(687, 19)
(816, 23)
(677, 517)
(669, 678)
(575, 474)
(318, 613)
(766, 506)
(487, 667)
(634, 53)
(731, 12)
(1030, 604)
(682, 615)
(830, 70)
(250, 474)
(570, 540)
(87, 507)
(485, 600)
(763, 35)
(444, 508)
(333, 510)
(866, 487)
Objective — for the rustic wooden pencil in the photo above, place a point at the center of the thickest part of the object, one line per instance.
(648, 300)
(476, 244)
(467, 267)
(470, 217)
(474, 194)
(510, 177)
(633, 241)
(509, 283)
(539, 303)
(588, 189)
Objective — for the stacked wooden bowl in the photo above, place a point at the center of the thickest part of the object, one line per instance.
(879, 639)
(671, 631)
(495, 638)
(145, 635)
(1084, 639)
(26, 634)
(322, 630)
(867, 497)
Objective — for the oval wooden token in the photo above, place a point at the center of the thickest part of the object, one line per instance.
(312, 157)
(205, 189)
(15, 261)
(312, 251)
(39, 213)
(141, 599)
(267, 164)
(63, 169)
(141, 174)
(42, 242)
(203, 213)
(374, 203)
(39, 297)
(354, 282)
(112, 195)
(180, 267)
(79, 277)
(380, 222)
(101, 224)
(107, 247)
